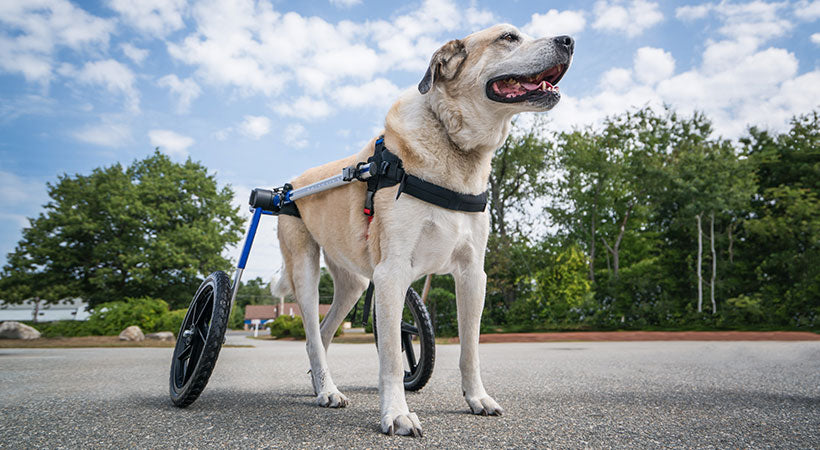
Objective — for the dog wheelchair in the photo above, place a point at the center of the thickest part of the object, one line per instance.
(202, 334)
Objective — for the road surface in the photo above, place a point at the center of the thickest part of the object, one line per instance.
(555, 395)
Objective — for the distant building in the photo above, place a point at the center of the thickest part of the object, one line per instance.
(65, 309)
(270, 312)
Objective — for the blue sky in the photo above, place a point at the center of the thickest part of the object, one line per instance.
(261, 90)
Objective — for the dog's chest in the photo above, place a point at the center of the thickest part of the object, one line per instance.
(448, 240)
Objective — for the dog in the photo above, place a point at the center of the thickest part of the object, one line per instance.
(445, 132)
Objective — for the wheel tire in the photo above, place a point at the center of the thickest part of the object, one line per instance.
(199, 339)
(420, 373)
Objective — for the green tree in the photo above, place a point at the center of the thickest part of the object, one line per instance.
(154, 228)
(606, 180)
(782, 231)
(517, 180)
(253, 292)
(559, 289)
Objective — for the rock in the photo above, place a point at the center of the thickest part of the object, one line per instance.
(161, 336)
(132, 333)
(17, 330)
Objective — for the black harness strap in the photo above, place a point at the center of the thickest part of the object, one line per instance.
(390, 172)
(440, 196)
(290, 209)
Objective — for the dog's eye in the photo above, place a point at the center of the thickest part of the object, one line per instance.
(509, 37)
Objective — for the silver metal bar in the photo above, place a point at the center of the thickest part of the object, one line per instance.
(327, 183)
(235, 288)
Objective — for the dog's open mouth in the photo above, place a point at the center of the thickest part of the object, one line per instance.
(513, 88)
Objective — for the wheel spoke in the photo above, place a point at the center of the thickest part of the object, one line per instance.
(409, 328)
(410, 354)
(198, 317)
(201, 334)
(185, 353)
(193, 315)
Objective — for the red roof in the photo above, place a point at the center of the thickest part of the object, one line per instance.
(265, 312)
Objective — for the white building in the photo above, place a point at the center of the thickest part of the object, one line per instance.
(65, 309)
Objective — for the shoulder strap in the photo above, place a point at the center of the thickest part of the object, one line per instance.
(389, 171)
(441, 196)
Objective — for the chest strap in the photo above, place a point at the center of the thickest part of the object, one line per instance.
(390, 172)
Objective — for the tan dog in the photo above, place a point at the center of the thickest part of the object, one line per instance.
(445, 133)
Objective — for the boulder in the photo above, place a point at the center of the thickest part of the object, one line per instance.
(132, 333)
(17, 330)
(161, 336)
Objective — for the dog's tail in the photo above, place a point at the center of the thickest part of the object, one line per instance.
(280, 284)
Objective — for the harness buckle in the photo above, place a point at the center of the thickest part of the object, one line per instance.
(350, 172)
(368, 204)
(358, 169)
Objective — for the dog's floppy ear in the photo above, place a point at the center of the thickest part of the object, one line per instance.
(444, 65)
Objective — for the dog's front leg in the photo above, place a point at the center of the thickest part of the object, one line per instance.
(390, 281)
(470, 289)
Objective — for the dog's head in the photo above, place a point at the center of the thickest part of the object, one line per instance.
(501, 68)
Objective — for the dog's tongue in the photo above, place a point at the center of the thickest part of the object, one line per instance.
(530, 86)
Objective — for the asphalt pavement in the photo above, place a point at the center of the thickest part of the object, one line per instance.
(555, 395)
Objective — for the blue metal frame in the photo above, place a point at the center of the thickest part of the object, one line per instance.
(348, 175)
(243, 260)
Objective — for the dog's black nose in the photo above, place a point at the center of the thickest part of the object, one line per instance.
(565, 42)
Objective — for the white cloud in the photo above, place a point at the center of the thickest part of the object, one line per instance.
(255, 127)
(737, 83)
(479, 17)
(258, 50)
(295, 135)
(186, 90)
(345, 3)
(223, 134)
(135, 54)
(653, 65)
(616, 79)
(170, 142)
(757, 19)
(154, 17)
(555, 23)
(815, 38)
(105, 134)
(32, 31)
(12, 107)
(693, 12)
(16, 190)
(379, 93)
(303, 108)
(632, 19)
(807, 11)
(113, 75)
(726, 94)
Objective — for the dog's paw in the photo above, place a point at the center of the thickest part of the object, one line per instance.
(332, 399)
(401, 424)
(484, 406)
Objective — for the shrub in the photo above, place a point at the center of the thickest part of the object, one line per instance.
(112, 317)
(441, 304)
(280, 327)
(296, 328)
(743, 310)
(61, 328)
(237, 319)
(287, 326)
(171, 321)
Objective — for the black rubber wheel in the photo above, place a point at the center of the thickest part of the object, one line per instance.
(418, 341)
(200, 339)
